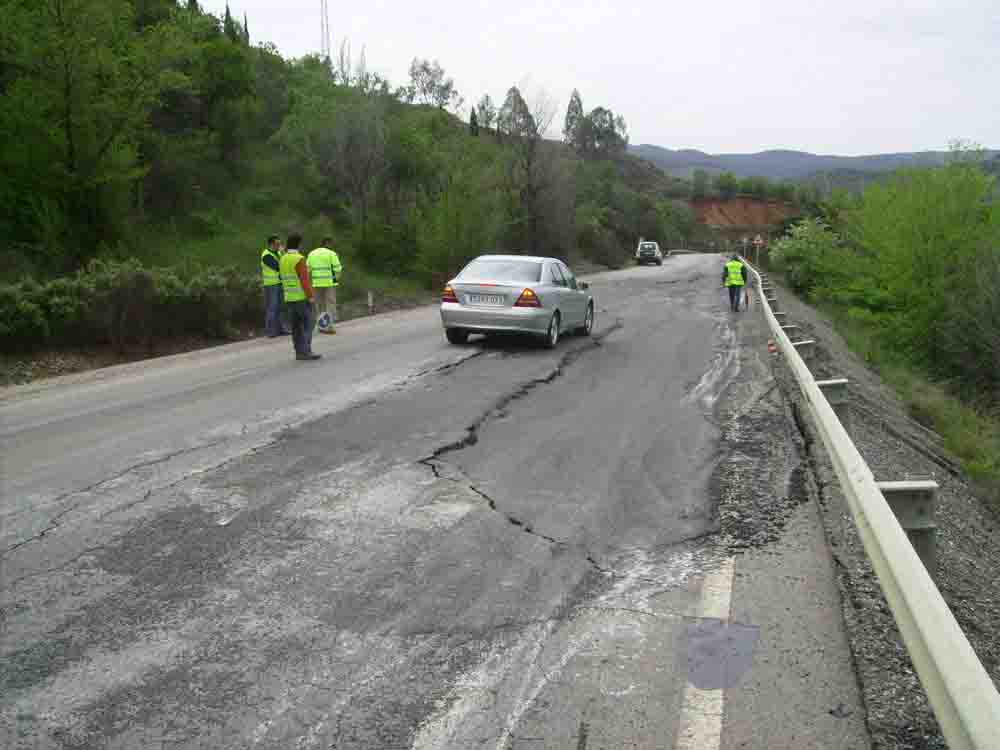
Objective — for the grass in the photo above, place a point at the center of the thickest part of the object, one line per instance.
(971, 434)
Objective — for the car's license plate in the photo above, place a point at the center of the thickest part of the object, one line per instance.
(486, 299)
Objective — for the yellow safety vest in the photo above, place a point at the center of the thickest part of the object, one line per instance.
(268, 276)
(290, 282)
(734, 269)
(324, 267)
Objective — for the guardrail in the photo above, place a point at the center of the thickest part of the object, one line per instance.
(961, 693)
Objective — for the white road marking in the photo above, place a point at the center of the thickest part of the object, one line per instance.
(700, 722)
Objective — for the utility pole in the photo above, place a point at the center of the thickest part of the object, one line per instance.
(327, 47)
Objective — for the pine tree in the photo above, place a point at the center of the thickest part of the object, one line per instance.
(473, 123)
(574, 115)
(192, 6)
(246, 30)
(229, 26)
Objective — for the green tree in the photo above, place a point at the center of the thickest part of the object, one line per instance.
(229, 26)
(514, 118)
(699, 184)
(812, 258)
(429, 85)
(151, 12)
(574, 115)
(922, 227)
(473, 123)
(601, 134)
(726, 184)
(487, 113)
(85, 83)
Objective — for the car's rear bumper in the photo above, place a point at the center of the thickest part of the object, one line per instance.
(509, 319)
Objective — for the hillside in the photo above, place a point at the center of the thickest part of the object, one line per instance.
(742, 212)
(783, 164)
(187, 144)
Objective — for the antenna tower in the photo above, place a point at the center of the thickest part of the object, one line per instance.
(327, 51)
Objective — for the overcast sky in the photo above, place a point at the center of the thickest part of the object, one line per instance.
(828, 76)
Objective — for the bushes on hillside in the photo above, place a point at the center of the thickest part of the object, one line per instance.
(126, 305)
(917, 257)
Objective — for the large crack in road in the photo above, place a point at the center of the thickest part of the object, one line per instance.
(434, 461)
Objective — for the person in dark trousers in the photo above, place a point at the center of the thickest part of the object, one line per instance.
(734, 278)
(298, 297)
(270, 279)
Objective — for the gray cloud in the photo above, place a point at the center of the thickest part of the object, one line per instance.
(831, 76)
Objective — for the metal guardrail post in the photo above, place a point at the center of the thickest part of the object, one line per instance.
(806, 349)
(961, 692)
(913, 504)
(836, 393)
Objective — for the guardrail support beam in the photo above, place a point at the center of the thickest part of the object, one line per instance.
(805, 348)
(836, 393)
(913, 504)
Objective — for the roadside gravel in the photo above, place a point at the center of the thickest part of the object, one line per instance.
(897, 447)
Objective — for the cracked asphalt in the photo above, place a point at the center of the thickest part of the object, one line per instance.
(413, 545)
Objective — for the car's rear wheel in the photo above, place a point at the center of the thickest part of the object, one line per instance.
(456, 335)
(588, 322)
(552, 337)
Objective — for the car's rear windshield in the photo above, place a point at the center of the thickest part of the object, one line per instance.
(648, 246)
(503, 270)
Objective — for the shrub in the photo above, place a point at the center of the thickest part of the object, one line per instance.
(127, 305)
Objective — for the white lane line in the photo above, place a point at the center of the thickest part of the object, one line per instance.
(700, 722)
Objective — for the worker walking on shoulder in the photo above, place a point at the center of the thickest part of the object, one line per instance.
(270, 279)
(298, 297)
(324, 271)
(734, 278)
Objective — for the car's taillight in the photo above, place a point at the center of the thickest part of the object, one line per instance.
(449, 295)
(528, 298)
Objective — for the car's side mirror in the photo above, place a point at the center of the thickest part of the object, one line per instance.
(584, 286)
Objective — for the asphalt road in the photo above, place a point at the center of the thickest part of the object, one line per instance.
(404, 545)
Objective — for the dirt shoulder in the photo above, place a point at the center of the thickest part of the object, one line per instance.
(897, 447)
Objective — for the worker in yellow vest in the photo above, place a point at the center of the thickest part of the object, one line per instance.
(324, 272)
(298, 297)
(734, 278)
(270, 279)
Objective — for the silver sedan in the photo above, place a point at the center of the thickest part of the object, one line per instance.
(518, 294)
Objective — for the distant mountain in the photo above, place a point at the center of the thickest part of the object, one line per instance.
(781, 164)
